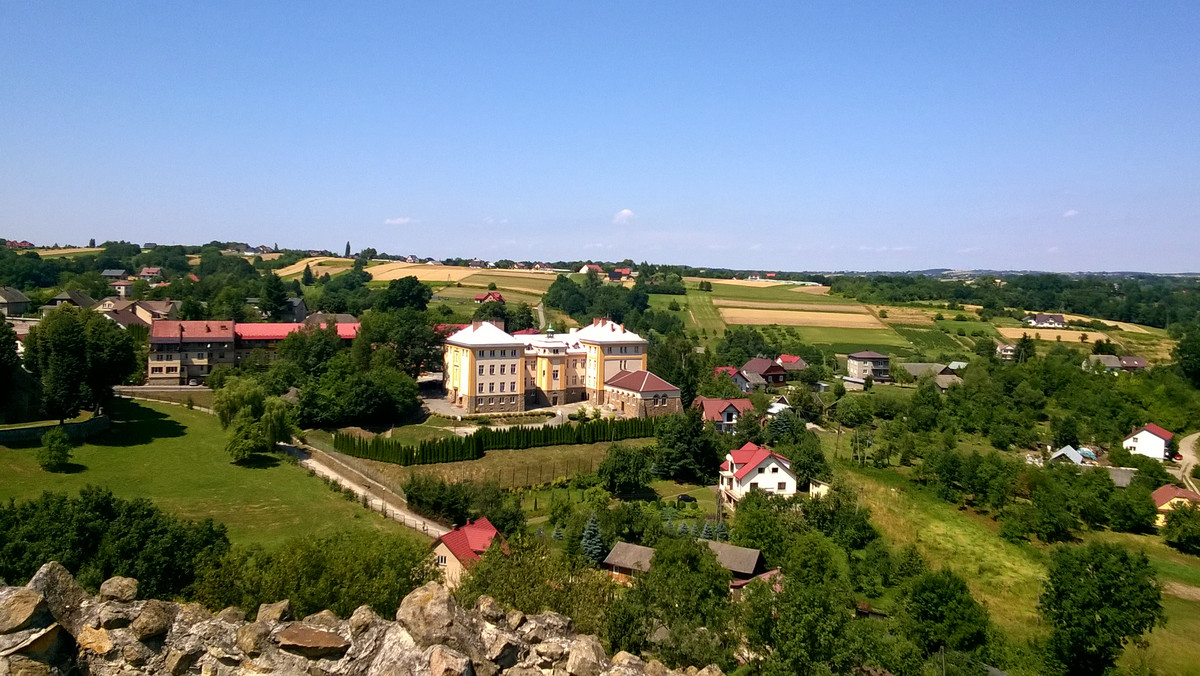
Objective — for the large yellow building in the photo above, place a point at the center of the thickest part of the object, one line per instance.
(488, 370)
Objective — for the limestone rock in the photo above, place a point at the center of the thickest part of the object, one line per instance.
(253, 638)
(154, 620)
(710, 670)
(232, 615)
(40, 644)
(18, 665)
(123, 589)
(489, 609)
(500, 646)
(280, 611)
(22, 608)
(179, 661)
(311, 642)
(325, 618)
(95, 640)
(444, 661)
(428, 613)
(362, 618)
(514, 619)
(587, 657)
(64, 596)
(538, 628)
(116, 615)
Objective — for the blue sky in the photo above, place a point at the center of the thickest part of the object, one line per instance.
(804, 136)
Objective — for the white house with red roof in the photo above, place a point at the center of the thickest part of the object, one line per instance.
(591, 267)
(489, 297)
(723, 413)
(1151, 441)
(457, 550)
(791, 363)
(753, 467)
(735, 375)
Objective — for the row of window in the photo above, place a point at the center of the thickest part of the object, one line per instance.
(159, 369)
(492, 369)
(492, 387)
(199, 355)
(492, 401)
(781, 486)
(503, 353)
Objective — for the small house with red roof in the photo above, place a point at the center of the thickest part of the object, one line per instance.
(489, 297)
(150, 274)
(591, 267)
(723, 413)
(1151, 441)
(753, 467)
(791, 363)
(734, 374)
(1170, 497)
(457, 550)
(641, 394)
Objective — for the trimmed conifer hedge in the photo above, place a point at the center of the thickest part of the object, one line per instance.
(472, 447)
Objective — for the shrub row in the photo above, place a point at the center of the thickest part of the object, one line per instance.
(455, 449)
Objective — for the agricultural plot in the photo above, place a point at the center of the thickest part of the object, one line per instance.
(702, 314)
(847, 341)
(517, 280)
(467, 295)
(52, 253)
(775, 305)
(298, 267)
(780, 293)
(755, 316)
(1052, 335)
(929, 340)
(904, 315)
(969, 328)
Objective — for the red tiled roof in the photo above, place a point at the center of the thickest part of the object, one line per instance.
(192, 276)
(489, 296)
(467, 542)
(624, 271)
(1155, 430)
(526, 332)
(750, 456)
(731, 371)
(194, 331)
(446, 329)
(280, 330)
(711, 408)
(1169, 492)
(640, 381)
(790, 359)
(593, 266)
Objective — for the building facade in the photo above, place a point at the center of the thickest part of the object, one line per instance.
(863, 364)
(754, 468)
(487, 370)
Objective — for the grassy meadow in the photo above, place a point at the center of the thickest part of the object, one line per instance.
(176, 458)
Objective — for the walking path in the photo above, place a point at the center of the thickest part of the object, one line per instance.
(541, 310)
(1187, 449)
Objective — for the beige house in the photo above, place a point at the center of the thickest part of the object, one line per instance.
(488, 370)
(641, 394)
(862, 364)
(1170, 497)
(455, 551)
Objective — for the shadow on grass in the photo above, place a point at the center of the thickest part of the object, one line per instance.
(259, 461)
(136, 425)
(71, 468)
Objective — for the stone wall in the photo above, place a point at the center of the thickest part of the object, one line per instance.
(53, 626)
(75, 430)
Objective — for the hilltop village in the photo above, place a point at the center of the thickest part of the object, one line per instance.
(692, 465)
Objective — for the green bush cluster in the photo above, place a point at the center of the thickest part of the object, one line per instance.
(472, 447)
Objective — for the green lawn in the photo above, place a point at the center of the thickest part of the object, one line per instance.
(176, 458)
(848, 341)
(929, 340)
(199, 396)
(970, 327)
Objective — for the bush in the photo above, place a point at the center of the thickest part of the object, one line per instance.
(55, 453)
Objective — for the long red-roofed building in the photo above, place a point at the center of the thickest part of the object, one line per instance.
(183, 351)
(753, 467)
(460, 548)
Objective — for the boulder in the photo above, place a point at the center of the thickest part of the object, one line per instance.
(154, 620)
(489, 609)
(710, 670)
(232, 615)
(445, 661)
(22, 608)
(123, 589)
(311, 642)
(514, 619)
(587, 657)
(280, 611)
(63, 595)
(429, 613)
(362, 618)
(95, 640)
(253, 638)
(117, 615)
(545, 626)
(500, 646)
(39, 644)
(18, 665)
(325, 618)
(178, 660)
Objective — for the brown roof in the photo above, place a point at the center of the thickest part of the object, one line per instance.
(867, 354)
(170, 331)
(738, 560)
(712, 408)
(11, 295)
(762, 366)
(631, 556)
(1169, 492)
(640, 381)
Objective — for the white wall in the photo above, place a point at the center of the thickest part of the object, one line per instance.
(1147, 444)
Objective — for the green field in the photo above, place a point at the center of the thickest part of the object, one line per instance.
(778, 293)
(969, 326)
(930, 340)
(176, 458)
(848, 341)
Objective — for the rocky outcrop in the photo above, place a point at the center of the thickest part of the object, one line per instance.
(53, 627)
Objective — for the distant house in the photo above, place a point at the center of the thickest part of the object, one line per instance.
(457, 550)
(641, 394)
(791, 363)
(862, 364)
(150, 274)
(1133, 363)
(771, 372)
(753, 467)
(76, 298)
(112, 273)
(123, 287)
(411, 259)
(263, 249)
(946, 381)
(754, 277)
(137, 312)
(476, 263)
(1102, 362)
(591, 267)
(1171, 497)
(23, 244)
(1006, 352)
(13, 302)
(1045, 321)
(723, 413)
(326, 318)
(919, 369)
(778, 406)
(1067, 454)
(957, 366)
(489, 297)
(734, 374)
(542, 266)
(627, 560)
(615, 276)
(625, 273)
(519, 266)
(1150, 441)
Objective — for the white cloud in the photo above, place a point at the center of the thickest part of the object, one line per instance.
(970, 249)
(623, 217)
(400, 220)
(1070, 213)
(1052, 249)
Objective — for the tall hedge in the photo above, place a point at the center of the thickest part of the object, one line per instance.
(472, 447)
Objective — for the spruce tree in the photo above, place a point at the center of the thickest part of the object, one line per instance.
(706, 533)
(307, 278)
(683, 528)
(721, 533)
(558, 533)
(591, 543)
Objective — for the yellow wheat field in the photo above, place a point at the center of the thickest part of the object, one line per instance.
(771, 305)
(1015, 333)
(844, 320)
(813, 290)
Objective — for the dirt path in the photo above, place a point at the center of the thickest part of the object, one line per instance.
(1183, 591)
(379, 497)
(1187, 448)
